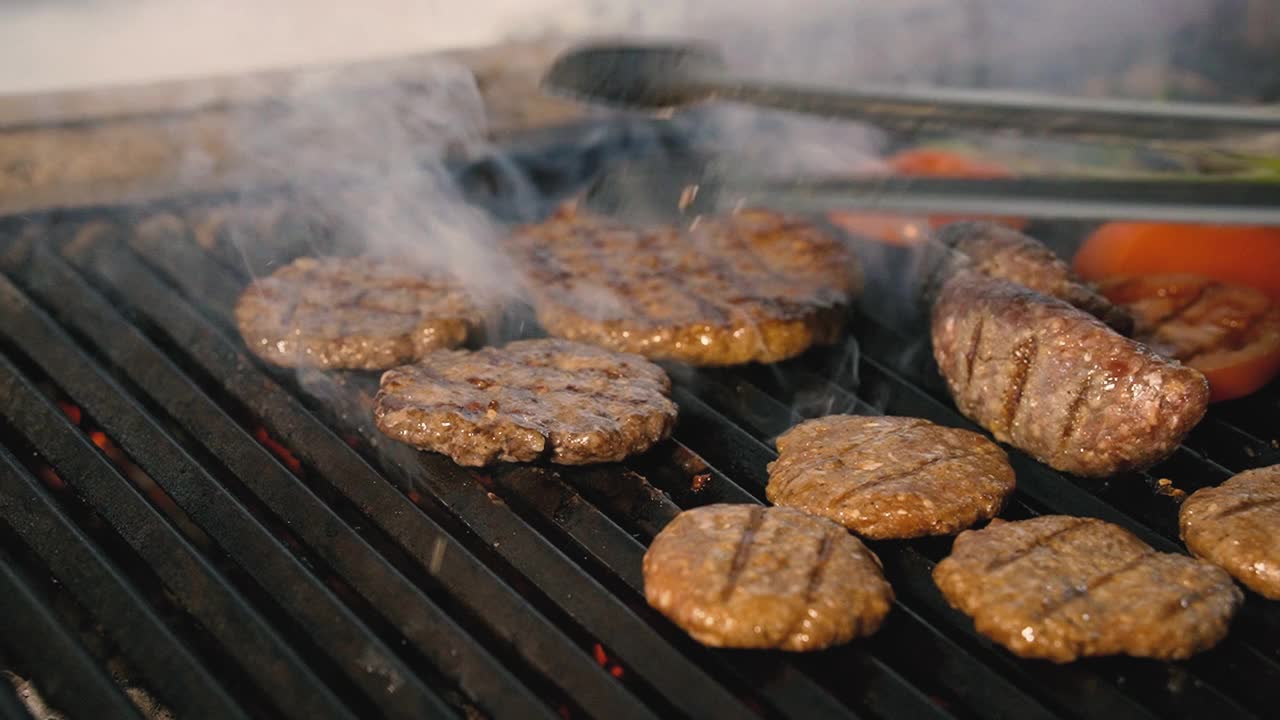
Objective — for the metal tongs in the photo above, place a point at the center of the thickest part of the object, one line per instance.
(660, 76)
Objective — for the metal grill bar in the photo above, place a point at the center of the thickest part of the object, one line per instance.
(170, 669)
(242, 632)
(366, 659)
(58, 663)
(888, 695)
(579, 595)
(1071, 690)
(1195, 698)
(576, 593)
(432, 632)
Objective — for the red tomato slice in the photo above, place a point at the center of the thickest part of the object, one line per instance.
(1231, 333)
(922, 162)
(1236, 255)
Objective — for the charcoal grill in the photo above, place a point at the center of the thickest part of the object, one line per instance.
(183, 523)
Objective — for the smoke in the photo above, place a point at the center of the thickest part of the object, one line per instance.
(69, 43)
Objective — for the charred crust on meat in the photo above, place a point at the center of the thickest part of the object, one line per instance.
(1102, 591)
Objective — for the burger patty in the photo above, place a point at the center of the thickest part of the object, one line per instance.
(753, 286)
(1060, 588)
(746, 576)
(1234, 526)
(1001, 252)
(1057, 383)
(352, 313)
(564, 401)
(890, 477)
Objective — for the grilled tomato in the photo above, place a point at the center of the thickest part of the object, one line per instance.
(1237, 255)
(1229, 332)
(922, 162)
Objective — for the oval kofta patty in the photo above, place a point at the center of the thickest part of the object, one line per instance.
(566, 402)
(1054, 381)
(890, 477)
(352, 313)
(1236, 526)
(753, 286)
(1061, 588)
(746, 576)
(1001, 252)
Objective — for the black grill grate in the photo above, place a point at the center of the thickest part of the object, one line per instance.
(249, 546)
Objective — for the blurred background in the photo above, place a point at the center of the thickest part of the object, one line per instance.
(1208, 49)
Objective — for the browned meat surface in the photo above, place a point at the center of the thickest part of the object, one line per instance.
(1001, 252)
(1057, 383)
(566, 402)
(1237, 526)
(746, 576)
(353, 313)
(749, 287)
(1061, 588)
(890, 477)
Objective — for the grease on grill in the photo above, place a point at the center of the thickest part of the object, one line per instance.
(747, 576)
(1061, 588)
(754, 286)
(353, 313)
(567, 402)
(890, 477)
(1235, 526)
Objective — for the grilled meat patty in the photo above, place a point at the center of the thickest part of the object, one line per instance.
(564, 401)
(1236, 526)
(352, 313)
(890, 477)
(1001, 252)
(753, 286)
(1057, 383)
(746, 576)
(1061, 588)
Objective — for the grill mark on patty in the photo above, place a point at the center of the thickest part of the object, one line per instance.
(1184, 603)
(1074, 411)
(1015, 556)
(823, 558)
(1092, 584)
(740, 553)
(901, 474)
(971, 355)
(1024, 357)
(800, 470)
(1245, 507)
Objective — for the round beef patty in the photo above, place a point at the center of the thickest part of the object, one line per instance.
(890, 477)
(746, 576)
(567, 402)
(753, 286)
(1236, 526)
(1060, 588)
(352, 313)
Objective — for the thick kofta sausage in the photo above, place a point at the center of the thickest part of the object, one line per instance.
(1055, 382)
(1001, 252)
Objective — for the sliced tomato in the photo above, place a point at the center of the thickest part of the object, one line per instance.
(1238, 255)
(922, 162)
(1231, 333)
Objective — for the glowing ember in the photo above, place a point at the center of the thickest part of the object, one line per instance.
(282, 453)
(603, 660)
(71, 411)
(50, 477)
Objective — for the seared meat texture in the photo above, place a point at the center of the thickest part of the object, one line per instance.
(746, 576)
(567, 402)
(890, 477)
(754, 286)
(1236, 526)
(352, 313)
(1057, 383)
(1001, 252)
(1061, 588)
